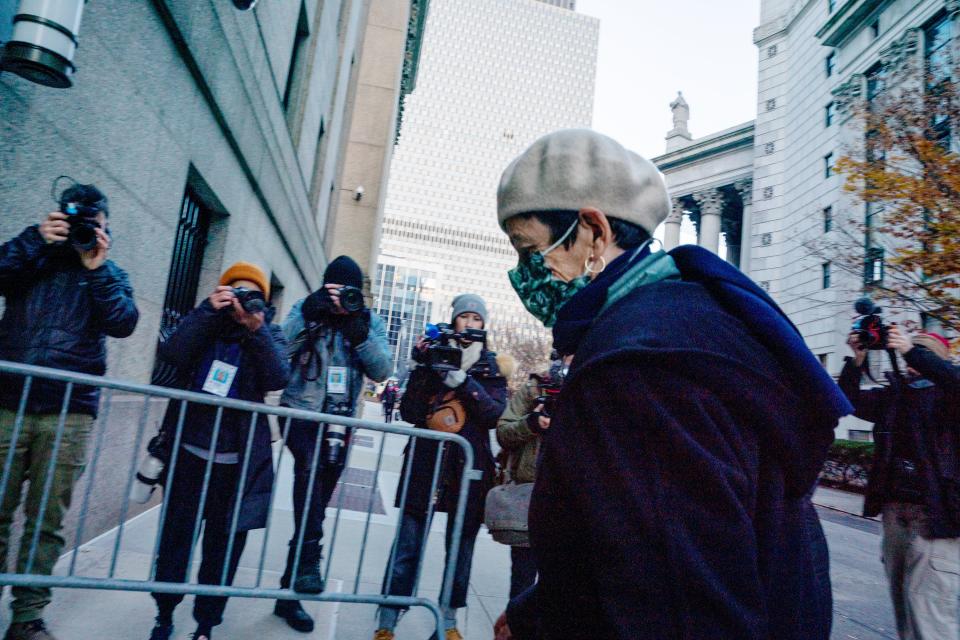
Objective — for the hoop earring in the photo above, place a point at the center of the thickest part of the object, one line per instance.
(588, 265)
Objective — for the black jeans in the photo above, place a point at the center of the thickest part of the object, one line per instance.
(388, 411)
(523, 570)
(302, 442)
(177, 534)
(409, 543)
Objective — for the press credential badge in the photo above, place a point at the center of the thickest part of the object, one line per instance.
(220, 378)
(337, 380)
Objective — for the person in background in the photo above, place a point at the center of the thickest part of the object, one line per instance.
(228, 348)
(62, 297)
(914, 482)
(473, 397)
(388, 398)
(331, 349)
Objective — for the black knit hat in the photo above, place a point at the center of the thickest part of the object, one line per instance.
(344, 270)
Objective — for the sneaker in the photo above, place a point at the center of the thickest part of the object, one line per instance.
(33, 630)
(383, 634)
(292, 611)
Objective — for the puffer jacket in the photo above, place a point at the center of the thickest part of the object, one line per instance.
(520, 443)
(58, 314)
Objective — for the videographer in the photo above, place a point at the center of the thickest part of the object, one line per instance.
(468, 400)
(334, 342)
(672, 490)
(226, 347)
(519, 430)
(915, 478)
(62, 297)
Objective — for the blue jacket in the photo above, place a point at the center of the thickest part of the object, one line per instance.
(307, 387)
(206, 334)
(672, 492)
(58, 314)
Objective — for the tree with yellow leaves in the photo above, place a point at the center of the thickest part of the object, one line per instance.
(906, 173)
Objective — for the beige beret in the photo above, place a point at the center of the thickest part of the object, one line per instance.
(575, 168)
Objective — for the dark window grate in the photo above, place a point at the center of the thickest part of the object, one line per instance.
(184, 278)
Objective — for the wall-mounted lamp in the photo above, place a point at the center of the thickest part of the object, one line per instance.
(44, 41)
(358, 193)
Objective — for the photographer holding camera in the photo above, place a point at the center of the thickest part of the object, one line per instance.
(519, 431)
(456, 387)
(915, 479)
(63, 297)
(226, 347)
(334, 341)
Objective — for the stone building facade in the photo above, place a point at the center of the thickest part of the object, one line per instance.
(218, 135)
(815, 56)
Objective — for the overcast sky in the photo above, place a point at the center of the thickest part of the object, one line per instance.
(650, 49)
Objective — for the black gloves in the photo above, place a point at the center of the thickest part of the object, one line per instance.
(356, 327)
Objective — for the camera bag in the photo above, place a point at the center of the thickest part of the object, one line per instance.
(506, 512)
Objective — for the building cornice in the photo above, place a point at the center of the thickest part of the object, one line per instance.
(847, 19)
(713, 145)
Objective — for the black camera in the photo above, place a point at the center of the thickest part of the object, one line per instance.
(871, 331)
(319, 304)
(442, 352)
(550, 386)
(351, 299)
(83, 225)
(252, 301)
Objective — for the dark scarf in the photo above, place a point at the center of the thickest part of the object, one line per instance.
(576, 317)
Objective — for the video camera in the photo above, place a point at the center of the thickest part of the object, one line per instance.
(871, 331)
(442, 352)
(551, 384)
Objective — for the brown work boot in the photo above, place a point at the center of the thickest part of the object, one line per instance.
(383, 634)
(33, 630)
(452, 634)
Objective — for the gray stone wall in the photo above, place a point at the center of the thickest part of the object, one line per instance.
(169, 93)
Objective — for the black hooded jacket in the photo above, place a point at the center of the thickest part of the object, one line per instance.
(58, 314)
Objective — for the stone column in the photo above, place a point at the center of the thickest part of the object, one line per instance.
(745, 189)
(711, 208)
(671, 229)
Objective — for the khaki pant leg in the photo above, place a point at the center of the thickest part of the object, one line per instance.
(29, 602)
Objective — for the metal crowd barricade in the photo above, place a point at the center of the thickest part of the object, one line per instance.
(109, 387)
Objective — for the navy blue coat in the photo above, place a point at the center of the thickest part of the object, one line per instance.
(484, 397)
(201, 336)
(58, 314)
(672, 495)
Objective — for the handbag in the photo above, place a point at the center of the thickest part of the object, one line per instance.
(506, 512)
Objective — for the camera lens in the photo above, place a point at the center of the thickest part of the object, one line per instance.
(351, 299)
(83, 235)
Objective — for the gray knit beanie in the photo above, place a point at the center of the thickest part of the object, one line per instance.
(469, 303)
(575, 168)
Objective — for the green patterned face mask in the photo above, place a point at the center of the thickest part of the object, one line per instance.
(539, 291)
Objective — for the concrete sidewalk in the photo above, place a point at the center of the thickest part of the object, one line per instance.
(845, 501)
(117, 615)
